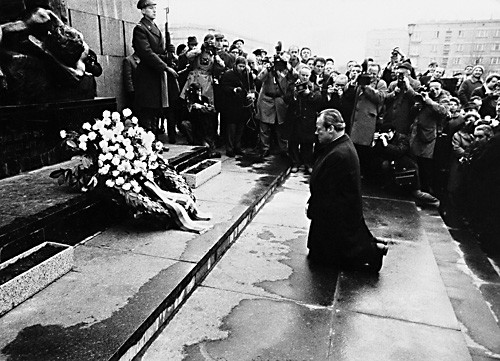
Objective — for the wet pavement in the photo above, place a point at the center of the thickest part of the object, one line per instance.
(265, 301)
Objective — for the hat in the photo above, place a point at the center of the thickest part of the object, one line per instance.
(395, 50)
(478, 66)
(386, 127)
(258, 52)
(143, 3)
(219, 36)
(471, 106)
(405, 65)
(236, 40)
(208, 36)
(240, 60)
(455, 99)
(192, 40)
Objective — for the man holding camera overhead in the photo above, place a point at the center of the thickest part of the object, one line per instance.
(272, 105)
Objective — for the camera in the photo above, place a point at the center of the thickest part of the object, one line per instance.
(420, 93)
(211, 49)
(301, 87)
(364, 79)
(401, 81)
(277, 63)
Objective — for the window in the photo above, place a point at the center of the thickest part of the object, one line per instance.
(495, 46)
(416, 36)
(456, 61)
(497, 33)
(460, 47)
(436, 34)
(461, 33)
(482, 33)
(495, 61)
(479, 47)
(414, 51)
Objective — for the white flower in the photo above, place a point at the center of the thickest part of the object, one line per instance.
(121, 152)
(107, 121)
(82, 146)
(100, 163)
(149, 175)
(158, 145)
(106, 114)
(115, 173)
(131, 132)
(82, 138)
(110, 183)
(86, 126)
(115, 161)
(119, 137)
(126, 142)
(115, 116)
(108, 156)
(92, 136)
(137, 189)
(127, 112)
(103, 144)
(127, 167)
(119, 181)
(63, 134)
(126, 186)
(135, 120)
(104, 170)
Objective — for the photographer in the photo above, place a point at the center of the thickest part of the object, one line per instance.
(400, 99)
(303, 110)
(430, 114)
(391, 154)
(238, 94)
(369, 95)
(272, 105)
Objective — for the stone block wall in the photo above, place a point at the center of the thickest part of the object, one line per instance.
(107, 27)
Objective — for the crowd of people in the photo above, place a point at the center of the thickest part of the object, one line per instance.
(435, 136)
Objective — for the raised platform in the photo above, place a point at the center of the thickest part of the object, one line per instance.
(34, 209)
(128, 281)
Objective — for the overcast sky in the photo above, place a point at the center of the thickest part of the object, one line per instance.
(334, 28)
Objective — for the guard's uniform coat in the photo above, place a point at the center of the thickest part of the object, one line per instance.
(150, 76)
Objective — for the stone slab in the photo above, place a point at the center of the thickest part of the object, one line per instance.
(409, 287)
(392, 219)
(112, 37)
(362, 337)
(221, 325)
(88, 24)
(92, 310)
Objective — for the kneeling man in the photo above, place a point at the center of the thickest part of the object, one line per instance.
(338, 235)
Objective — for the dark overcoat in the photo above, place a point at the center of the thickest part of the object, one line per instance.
(148, 44)
(303, 113)
(338, 231)
(235, 108)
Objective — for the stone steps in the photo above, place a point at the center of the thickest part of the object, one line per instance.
(128, 282)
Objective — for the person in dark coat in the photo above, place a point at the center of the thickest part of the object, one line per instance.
(338, 235)
(302, 118)
(154, 93)
(238, 94)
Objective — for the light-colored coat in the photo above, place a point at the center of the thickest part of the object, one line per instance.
(367, 107)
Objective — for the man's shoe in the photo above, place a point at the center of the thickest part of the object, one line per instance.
(264, 154)
(294, 169)
(214, 154)
(424, 197)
